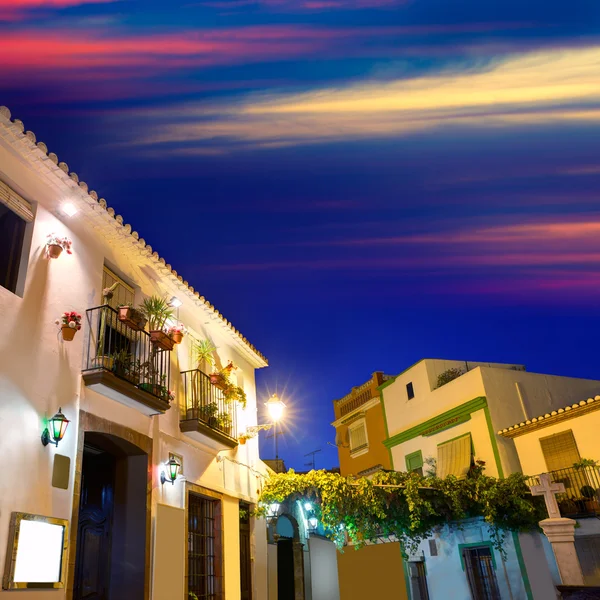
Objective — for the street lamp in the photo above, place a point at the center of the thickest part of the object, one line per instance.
(275, 408)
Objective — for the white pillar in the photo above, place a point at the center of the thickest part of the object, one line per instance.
(561, 534)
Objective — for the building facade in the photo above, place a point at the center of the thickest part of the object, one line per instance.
(564, 443)
(446, 428)
(132, 404)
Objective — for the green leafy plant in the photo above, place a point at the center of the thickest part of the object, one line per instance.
(585, 462)
(448, 376)
(209, 410)
(157, 311)
(224, 420)
(234, 393)
(588, 492)
(408, 505)
(203, 352)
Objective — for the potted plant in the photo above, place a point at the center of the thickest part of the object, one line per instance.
(234, 393)
(224, 422)
(244, 437)
(209, 412)
(126, 367)
(56, 244)
(252, 432)
(590, 498)
(220, 378)
(70, 324)
(132, 317)
(176, 333)
(203, 351)
(158, 312)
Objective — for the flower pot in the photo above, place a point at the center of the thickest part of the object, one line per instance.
(592, 506)
(213, 422)
(153, 388)
(218, 380)
(104, 362)
(161, 340)
(242, 441)
(177, 337)
(191, 414)
(54, 250)
(68, 333)
(132, 318)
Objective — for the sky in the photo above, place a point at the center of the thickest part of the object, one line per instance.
(355, 184)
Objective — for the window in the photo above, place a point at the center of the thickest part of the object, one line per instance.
(15, 213)
(204, 548)
(358, 437)
(560, 450)
(418, 580)
(414, 462)
(479, 565)
(455, 457)
(410, 390)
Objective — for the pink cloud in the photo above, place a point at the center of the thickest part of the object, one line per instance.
(15, 10)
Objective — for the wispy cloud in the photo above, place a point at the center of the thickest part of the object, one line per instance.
(15, 10)
(304, 5)
(556, 86)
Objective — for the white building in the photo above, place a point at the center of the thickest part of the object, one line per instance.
(456, 424)
(128, 534)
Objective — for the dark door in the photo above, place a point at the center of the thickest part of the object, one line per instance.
(285, 569)
(245, 563)
(479, 565)
(92, 565)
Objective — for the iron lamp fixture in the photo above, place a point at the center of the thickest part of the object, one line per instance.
(275, 407)
(175, 302)
(313, 522)
(273, 511)
(56, 431)
(173, 467)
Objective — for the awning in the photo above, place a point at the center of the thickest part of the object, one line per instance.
(454, 457)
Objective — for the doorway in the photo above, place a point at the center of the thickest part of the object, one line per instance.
(285, 569)
(245, 556)
(110, 560)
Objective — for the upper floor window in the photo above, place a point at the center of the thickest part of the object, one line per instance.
(358, 437)
(560, 450)
(455, 457)
(15, 213)
(410, 390)
(414, 462)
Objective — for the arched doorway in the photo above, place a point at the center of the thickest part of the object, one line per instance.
(111, 533)
(290, 559)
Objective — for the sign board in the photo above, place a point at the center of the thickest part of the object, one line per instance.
(37, 552)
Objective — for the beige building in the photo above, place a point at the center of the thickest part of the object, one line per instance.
(132, 402)
(564, 443)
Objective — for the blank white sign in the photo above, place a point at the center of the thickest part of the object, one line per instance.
(39, 552)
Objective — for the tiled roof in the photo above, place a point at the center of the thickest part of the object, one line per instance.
(568, 412)
(18, 126)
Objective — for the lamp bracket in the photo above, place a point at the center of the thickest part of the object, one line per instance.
(46, 438)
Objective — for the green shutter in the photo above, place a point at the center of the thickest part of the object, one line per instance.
(414, 461)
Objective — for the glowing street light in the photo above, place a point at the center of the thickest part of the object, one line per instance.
(275, 407)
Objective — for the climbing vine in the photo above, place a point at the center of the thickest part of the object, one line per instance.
(408, 505)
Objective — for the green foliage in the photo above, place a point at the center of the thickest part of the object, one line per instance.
(588, 492)
(408, 505)
(448, 376)
(157, 311)
(234, 393)
(585, 462)
(203, 350)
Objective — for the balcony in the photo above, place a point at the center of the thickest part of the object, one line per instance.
(206, 416)
(582, 491)
(122, 363)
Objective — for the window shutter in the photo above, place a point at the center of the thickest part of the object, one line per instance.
(16, 203)
(358, 437)
(560, 450)
(454, 457)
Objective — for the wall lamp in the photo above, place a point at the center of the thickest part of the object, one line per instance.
(175, 302)
(273, 512)
(57, 427)
(173, 467)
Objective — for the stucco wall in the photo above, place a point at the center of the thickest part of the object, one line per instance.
(39, 372)
(323, 569)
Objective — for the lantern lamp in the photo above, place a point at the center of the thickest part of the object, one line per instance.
(57, 426)
(273, 510)
(173, 467)
(275, 407)
(313, 522)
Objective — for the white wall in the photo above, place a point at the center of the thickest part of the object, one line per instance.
(323, 569)
(39, 372)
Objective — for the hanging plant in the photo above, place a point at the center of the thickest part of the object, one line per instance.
(234, 393)
(252, 432)
(408, 505)
(70, 324)
(176, 333)
(56, 244)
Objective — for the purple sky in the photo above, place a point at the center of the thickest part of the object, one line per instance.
(356, 184)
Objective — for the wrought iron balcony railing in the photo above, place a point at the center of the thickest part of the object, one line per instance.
(121, 356)
(205, 403)
(582, 491)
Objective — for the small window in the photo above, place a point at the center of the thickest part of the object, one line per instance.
(358, 437)
(12, 234)
(414, 462)
(410, 390)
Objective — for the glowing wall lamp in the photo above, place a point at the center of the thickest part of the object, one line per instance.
(275, 407)
(69, 209)
(173, 467)
(175, 302)
(273, 511)
(312, 523)
(56, 431)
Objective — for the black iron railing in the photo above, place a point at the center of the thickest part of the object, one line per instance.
(126, 351)
(582, 491)
(206, 402)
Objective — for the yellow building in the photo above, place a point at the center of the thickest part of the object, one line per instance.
(564, 443)
(360, 433)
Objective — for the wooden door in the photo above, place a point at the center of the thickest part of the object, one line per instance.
(245, 558)
(92, 563)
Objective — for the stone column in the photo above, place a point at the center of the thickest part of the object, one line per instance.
(298, 570)
(561, 534)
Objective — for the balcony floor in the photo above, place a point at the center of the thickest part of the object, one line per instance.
(202, 432)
